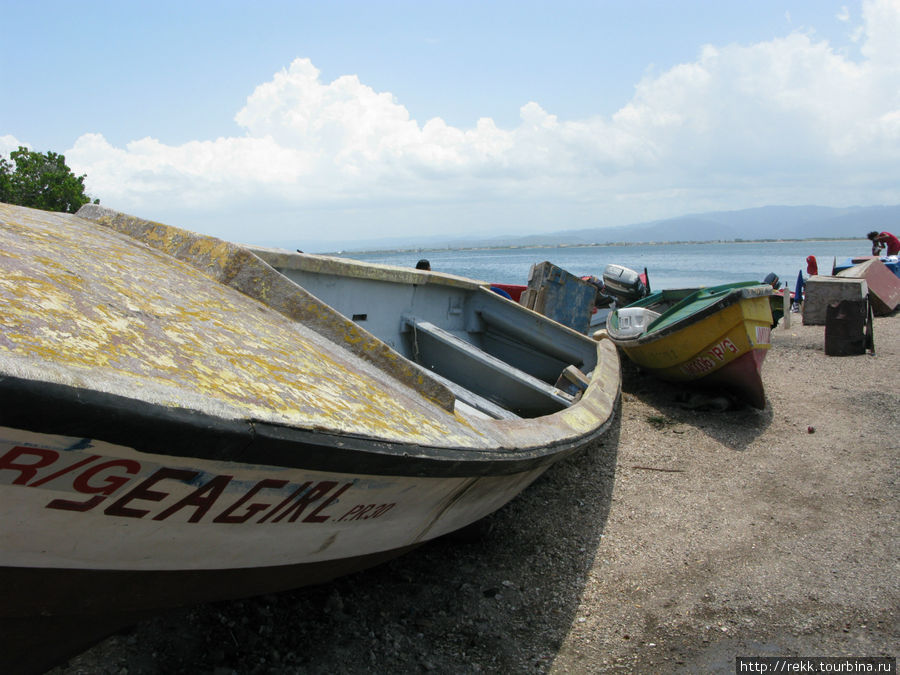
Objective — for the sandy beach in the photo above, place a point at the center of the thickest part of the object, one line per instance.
(687, 538)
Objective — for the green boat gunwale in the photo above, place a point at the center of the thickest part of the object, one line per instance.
(720, 297)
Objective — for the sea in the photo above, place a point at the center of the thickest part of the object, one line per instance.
(677, 265)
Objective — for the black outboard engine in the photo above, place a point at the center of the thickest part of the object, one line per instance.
(625, 285)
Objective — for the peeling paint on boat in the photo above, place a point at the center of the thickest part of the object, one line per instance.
(182, 423)
(76, 301)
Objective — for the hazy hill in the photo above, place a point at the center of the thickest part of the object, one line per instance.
(767, 222)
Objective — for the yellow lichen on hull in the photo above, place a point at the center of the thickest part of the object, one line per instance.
(240, 268)
(87, 306)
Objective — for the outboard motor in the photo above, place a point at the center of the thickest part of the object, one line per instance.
(625, 285)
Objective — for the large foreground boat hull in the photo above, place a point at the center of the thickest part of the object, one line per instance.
(180, 423)
(97, 536)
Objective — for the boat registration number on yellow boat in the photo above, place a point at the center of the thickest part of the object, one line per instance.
(711, 358)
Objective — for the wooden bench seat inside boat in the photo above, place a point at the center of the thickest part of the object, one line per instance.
(475, 370)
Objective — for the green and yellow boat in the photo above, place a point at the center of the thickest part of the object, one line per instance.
(716, 336)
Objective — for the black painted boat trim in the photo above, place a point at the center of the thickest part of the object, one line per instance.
(64, 410)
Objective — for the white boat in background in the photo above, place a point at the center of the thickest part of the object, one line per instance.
(181, 423)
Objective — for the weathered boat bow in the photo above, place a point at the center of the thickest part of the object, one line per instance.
(181, 422)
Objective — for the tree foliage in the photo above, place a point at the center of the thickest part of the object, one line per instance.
(41, 181)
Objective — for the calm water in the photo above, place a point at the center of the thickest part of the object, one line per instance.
(668, 265)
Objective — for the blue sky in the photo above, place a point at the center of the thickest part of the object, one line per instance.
(299, 121)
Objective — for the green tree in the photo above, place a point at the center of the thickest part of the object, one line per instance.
(41, 181)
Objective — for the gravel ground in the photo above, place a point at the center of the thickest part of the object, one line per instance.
(686, 538)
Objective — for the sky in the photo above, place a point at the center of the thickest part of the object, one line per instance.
(311, 122)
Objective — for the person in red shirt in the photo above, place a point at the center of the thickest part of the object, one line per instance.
(882, 239)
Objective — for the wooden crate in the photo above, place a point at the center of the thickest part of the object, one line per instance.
(559, 295)
(821, 291)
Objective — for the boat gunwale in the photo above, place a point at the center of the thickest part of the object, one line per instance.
(36, 405)
(157, 429)
(320, 263)
(730, 298)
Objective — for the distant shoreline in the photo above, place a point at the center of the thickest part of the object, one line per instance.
(523, 247)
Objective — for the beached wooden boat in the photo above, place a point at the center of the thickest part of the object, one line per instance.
(716, 336)
(892, 262)
(180, 423)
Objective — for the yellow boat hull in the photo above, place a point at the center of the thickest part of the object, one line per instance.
(721, 338)
(723, 345)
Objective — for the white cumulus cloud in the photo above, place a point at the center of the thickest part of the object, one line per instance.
(790, 120)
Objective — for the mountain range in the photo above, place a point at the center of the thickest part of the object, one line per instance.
(767, 222)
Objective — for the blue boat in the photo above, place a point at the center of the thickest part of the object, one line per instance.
(892, 262)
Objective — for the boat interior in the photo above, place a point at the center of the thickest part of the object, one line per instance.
(494, 355)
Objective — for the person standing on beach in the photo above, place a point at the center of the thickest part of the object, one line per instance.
(884, 239)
